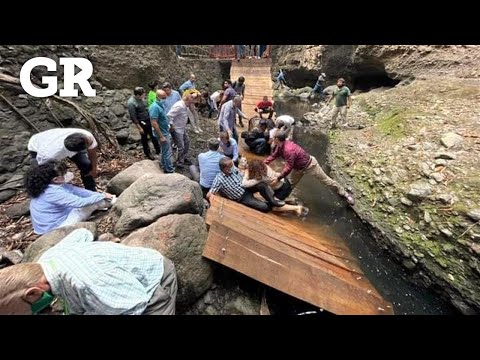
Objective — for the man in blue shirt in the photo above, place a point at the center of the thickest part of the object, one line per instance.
(208, 163)
(160, 126)
(189, 84)
(172, 96)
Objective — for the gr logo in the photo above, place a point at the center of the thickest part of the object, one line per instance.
(70, 78)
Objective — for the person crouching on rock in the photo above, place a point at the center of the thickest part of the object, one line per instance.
(229, 147)
(57, 203)
(91, 278)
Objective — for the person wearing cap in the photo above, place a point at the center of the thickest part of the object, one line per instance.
(319, 85)
(343, 100)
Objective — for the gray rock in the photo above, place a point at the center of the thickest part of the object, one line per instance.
(134, 135)
(474, 214)
(446, 232)
(21, 103)
(153, 196)
(410, 265)
(127, 177)
(14, 257)
(96, 100)
(419, 190)
(52, 238)
(406, 227)
(16, 211)
(122, 136)
(425, 169)
(181, 238)
(406, 201)
(441, 162)
(242, 305)
(390, 209)
(432, 182)
(464, 308)
(377, 171)
(118, 109)
(426, 217)
(475, 248)
(447, 199)
(451, 139)
(445, 155)
(413, 147)
(438, 177)
(6, 194)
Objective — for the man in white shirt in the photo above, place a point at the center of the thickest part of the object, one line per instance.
(78, 145)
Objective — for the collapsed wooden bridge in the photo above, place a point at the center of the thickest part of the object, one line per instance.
(277, 250)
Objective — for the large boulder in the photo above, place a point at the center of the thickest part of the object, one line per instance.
(153, 196)
(181, 238)
(127, 177)
(52, 238)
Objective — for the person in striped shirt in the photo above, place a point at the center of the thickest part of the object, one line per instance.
(91, 278)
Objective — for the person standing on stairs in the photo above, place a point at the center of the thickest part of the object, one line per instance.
(239, 87)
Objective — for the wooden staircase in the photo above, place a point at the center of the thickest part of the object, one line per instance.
(258, 81)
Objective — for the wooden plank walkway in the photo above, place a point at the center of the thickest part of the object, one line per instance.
(258, 81)
(278, 253)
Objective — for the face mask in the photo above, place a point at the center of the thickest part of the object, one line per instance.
(68, 177)
(42, 303)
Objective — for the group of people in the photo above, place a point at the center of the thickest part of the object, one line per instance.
(252, 51)
(91, 276)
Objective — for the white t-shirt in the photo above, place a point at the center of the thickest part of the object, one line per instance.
(287, 120)
(49, 145)
(216, 96)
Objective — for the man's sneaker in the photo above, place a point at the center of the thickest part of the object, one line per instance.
(349, 198)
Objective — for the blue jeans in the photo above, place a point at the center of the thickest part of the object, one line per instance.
(178, 50)
(166, 159)
(240, 51)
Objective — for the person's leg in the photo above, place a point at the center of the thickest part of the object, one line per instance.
(163, 299)
(270, 113)
(82, 214)
(166, 157)
(85, 166)
(204, 190)
(295, 177)
(334, 116)
(267, 193)
(298, 209)
(235, 134)
(343, 115)
(248, 200)
(180, 147)
(316, 170)
(258, 146)
(186, 147)
(240, 121)
(144, 139)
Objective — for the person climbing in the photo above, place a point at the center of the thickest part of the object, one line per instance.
(319, 86)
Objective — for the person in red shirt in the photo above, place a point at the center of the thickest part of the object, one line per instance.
(298, 163)
(263, 107)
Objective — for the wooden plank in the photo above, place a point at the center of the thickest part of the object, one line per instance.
(293, 241)
(221, 207)
(321, 243)
(290, 275)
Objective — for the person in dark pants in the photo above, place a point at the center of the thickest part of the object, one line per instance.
(257, 139)
(139, 115)
(229, 184)
(78, 145)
